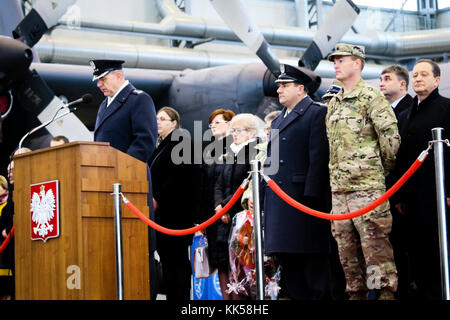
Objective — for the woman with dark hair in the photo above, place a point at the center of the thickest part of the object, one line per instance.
(173, 202)
(219, 123)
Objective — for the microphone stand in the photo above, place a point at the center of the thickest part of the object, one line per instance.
(44, 125)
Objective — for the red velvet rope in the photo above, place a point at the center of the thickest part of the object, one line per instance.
(182, 232)
(7, 240)
(352, 214)
(288, 200)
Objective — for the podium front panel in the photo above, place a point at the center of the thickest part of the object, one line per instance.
(80, 263)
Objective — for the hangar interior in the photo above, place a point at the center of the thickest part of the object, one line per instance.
(195, 36)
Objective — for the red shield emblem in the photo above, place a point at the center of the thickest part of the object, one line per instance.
(44, 210)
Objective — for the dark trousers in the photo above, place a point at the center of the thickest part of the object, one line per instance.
(177, 271)
(424, 253)
(398, 239)
(338, 282)
(305, 276)
(153, 275)
(427, 271)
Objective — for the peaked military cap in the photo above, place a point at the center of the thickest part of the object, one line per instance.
(345, 49)
(103, 66)
(332, 91)
(300, 75)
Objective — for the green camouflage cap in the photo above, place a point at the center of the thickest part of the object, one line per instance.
(345, 49)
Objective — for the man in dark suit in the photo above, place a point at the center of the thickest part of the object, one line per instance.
(417, 199)
(299, 241)
(127, 120)
(394, 82)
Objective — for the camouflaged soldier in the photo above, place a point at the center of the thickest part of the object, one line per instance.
(363, 137)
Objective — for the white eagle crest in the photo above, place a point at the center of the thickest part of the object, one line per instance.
(43, 208)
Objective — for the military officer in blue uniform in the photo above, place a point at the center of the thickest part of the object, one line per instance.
(127, 117)
(127, 120)
(300, 242)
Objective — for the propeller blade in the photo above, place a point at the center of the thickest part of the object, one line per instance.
(338, 21)
(234, 15)
(34, 95)
(69, 126)
(44, 15)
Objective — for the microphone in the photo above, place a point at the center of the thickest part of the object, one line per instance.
(86, 98)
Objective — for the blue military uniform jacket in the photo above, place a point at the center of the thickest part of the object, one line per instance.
(302, 174)
(128, 123)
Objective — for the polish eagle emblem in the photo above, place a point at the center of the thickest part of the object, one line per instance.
(43, 206)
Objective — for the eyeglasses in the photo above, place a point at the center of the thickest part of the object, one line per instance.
(217, 122)
(163, 119)
(238, 130)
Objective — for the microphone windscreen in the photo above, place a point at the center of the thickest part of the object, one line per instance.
(87, 98)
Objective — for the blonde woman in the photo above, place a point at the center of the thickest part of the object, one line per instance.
(245, 128)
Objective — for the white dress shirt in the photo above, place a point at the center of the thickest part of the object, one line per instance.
(395, 103)
(111, 99)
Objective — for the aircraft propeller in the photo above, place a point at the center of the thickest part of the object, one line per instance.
(30, 91)
(234, 15)
(329, 33)
(332, 29)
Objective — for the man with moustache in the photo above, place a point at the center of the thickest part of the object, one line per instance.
(417, 199)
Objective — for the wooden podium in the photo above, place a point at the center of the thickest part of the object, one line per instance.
(80, 263)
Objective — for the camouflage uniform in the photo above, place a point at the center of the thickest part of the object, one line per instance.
(363, 242)
(363, 138)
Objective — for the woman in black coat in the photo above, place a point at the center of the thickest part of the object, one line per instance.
(173, 202)
(209, 171)
(244, 128)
